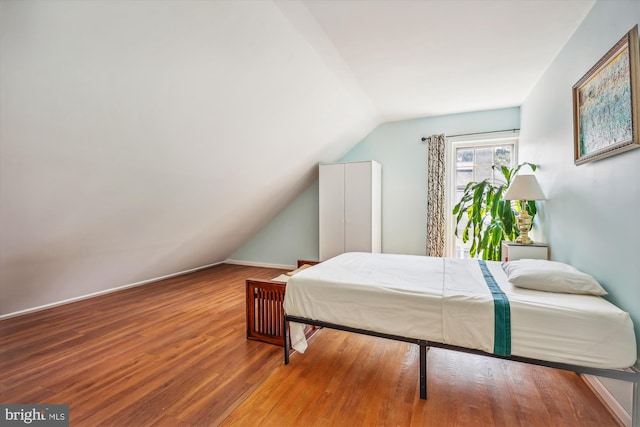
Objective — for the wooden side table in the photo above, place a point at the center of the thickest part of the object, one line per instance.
(265, 315)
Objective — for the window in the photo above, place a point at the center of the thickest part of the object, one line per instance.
(470, 158)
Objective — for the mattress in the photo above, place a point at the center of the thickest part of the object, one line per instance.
(447, 301)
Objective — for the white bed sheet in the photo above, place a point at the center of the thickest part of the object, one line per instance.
(447, 301)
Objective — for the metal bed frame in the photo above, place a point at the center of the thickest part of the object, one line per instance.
(629, 374)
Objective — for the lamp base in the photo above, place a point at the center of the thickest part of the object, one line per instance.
(524, 225)
(525, 240)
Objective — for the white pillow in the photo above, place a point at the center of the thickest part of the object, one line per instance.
(550, 276)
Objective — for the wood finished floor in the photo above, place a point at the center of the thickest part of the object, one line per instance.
(174, 353)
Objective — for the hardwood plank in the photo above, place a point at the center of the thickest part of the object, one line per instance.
(174, 353)
(144, 355)
(347, 379)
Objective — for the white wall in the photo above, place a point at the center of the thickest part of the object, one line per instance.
(590, 216)
(143, 138)
(398, 148)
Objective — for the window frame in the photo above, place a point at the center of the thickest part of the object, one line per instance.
(469, 140)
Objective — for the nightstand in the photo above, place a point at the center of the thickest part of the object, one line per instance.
(512, 251)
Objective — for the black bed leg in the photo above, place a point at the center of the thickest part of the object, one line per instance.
(423, 370)
(635, 417)
(285, 333)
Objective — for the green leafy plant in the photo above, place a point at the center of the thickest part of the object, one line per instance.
(490, 218)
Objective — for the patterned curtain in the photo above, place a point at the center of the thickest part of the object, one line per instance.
(435, 196)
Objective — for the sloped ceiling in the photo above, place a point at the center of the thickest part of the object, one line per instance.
(143, 138)
(417, 58)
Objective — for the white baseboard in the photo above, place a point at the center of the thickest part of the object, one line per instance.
(106, 291)
(260, 264)
(607, 398)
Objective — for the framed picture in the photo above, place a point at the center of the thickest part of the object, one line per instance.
(605, 103)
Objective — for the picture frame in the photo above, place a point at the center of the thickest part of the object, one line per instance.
(606, 104)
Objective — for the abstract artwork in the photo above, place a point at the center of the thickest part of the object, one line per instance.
(605, 104)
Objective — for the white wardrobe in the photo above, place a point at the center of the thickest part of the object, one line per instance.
(350, 208)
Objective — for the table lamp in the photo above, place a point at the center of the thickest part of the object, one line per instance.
(524, 187)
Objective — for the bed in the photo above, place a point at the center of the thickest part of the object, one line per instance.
(467, 305)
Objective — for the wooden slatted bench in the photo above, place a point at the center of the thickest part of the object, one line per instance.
(265, 315)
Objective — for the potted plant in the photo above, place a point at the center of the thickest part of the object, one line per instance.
(490, 218)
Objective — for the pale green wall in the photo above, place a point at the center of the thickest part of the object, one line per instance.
(293, 234)
(590, 217)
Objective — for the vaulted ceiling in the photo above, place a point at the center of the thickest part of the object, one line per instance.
(416, 58)
(142, 138)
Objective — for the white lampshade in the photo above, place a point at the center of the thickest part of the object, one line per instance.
(524, 187)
